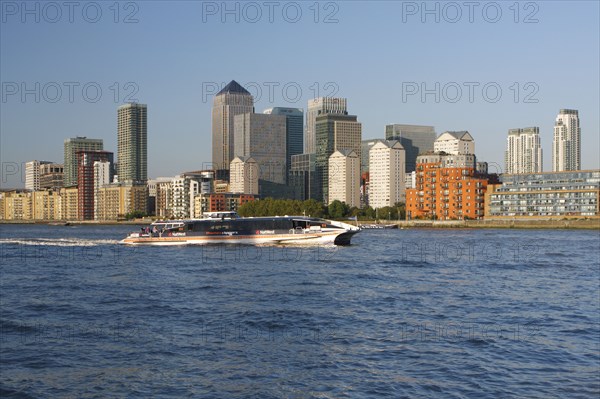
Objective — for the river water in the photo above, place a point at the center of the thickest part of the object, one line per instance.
(419, 313)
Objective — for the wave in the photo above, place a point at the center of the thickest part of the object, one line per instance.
(56, 242)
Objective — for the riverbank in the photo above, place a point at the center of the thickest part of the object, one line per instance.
(587, 224)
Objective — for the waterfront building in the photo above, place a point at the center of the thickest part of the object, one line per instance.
(344, 177)
(447, 188)
(232, 100)
(183, 190)
(455, 143)
(415, 140)
(163, 197)
(386, 174)
(102, 176)
(86, 180)
(263, 138)
(69, 202)
(132, 132)
(523, 151)
(410, 180)
(71, 147)
(244, 175)
(566, 146)
(51, 176)
(117, 200)
(219, 202)
(365, 147)
(17, 205)
(316, 107)
(570, 194)
(47, 205)
(333, 132)
(294, 133)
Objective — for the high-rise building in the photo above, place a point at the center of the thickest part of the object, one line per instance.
(334, 132)
(232, 100)
(365, 147)
(447, 187)
(344, 177)
(132, 155)
(294, 133)
(566, 146)
(72, 146)
(415, 140)
(319, 106)
(455, 143)
(523, 151)
(302, 177)
(86, 181)
(243, 177)
(102, 176)
(262, 137)
(32, 174)
(386, 174)
(51, 176)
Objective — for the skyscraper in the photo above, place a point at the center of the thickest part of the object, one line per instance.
(132, 155)
(232, 100)
(72, 146)
(386, 174)
(263, 138)
(319, 106)
(334, 132)
(523, 151)
(415, 139)
(566, 146)
(294, 133)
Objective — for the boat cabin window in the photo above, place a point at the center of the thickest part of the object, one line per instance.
(303, 224)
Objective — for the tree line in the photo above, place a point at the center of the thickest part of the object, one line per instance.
(311, 207)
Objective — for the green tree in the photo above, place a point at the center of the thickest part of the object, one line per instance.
(337, 209)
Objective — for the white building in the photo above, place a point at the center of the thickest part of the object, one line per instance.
(523, 151)
(455, 143)
(181, 201)
(32, 174)
(386, 174)
(101, 178)
(243, 175)
(320, 106)
(410, 180)
(566, 146)
(344, 177)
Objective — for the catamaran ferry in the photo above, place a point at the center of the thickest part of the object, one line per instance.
(228, 227)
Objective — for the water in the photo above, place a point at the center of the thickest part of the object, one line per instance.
(405, 313)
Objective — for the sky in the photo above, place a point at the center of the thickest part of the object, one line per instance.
(485, 67)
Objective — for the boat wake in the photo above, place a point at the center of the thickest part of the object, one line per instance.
(56, 242)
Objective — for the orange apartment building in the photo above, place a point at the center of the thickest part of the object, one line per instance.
(447, 188)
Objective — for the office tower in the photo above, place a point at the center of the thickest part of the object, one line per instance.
(386, 174)
(302, 177)
(333, 132)
(320, 106)
(262, 137)
(415, 139)
(86, 180)
(344, 177)
(523, 151)
(132, 143)
(294, 133)
(232, 100)
(32, 174)
(243, 175)
(71, 147)
(51, 175)
(566, 146)
(455, 143)
(447, 187)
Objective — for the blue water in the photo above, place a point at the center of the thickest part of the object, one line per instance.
(406, 313)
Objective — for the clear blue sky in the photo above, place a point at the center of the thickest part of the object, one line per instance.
(374, 54)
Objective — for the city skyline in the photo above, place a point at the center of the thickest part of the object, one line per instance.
(376, 80)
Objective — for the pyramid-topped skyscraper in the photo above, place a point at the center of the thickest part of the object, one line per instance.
(232, 100)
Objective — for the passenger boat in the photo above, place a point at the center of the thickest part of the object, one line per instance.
(229, 228)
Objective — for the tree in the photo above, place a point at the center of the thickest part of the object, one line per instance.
(337, 209)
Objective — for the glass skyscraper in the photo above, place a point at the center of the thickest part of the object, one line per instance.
(415, 139)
